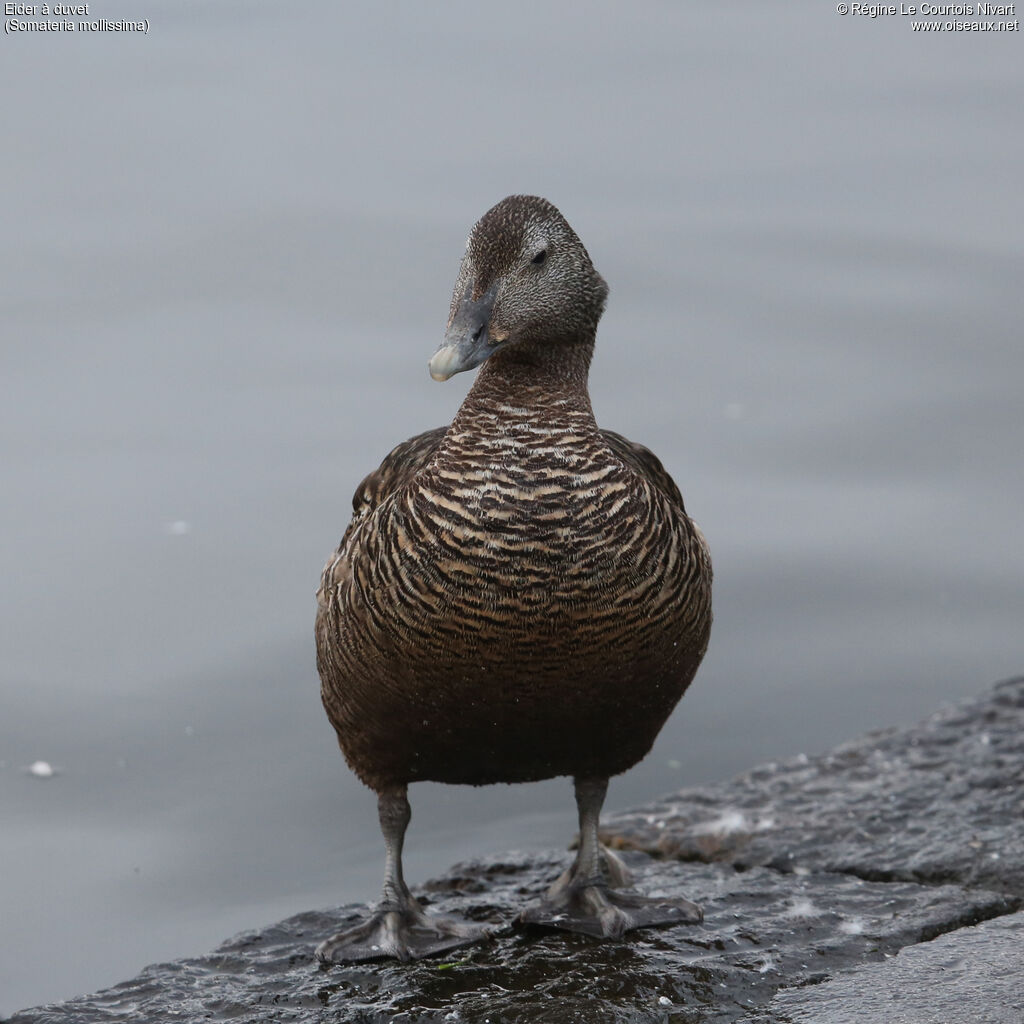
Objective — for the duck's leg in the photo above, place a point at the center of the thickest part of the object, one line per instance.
(587, 899)
(399, 928)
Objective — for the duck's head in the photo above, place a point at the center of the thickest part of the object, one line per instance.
(525, 279)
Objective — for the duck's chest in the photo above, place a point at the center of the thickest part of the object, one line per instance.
(547, 526)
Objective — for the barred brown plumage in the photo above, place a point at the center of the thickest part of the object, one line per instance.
(519, 595)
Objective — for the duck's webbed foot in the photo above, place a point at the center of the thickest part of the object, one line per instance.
(400, 932)
(597, 906)
(399, 928)
(592, 896)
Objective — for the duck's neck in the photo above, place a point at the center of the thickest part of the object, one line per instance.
(540, 381)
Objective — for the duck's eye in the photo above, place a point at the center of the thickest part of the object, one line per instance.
(540, 257)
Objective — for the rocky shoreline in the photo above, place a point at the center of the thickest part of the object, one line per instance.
(883, 881)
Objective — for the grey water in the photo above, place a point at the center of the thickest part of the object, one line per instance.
(226, 254)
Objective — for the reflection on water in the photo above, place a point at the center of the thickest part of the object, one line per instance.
(223, 278)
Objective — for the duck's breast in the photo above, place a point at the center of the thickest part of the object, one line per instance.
(518, 615)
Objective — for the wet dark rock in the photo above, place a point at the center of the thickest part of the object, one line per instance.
(970, 975)
(940, 802)
(868, 870)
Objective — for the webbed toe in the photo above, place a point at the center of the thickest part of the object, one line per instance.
(606, 913)
(400, 934)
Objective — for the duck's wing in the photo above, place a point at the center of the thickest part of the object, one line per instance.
(400, 465)
(646, 464)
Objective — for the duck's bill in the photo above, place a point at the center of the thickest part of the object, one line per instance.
(467, 342)
(449, 360)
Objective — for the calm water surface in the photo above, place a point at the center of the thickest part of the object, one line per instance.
(227, 255)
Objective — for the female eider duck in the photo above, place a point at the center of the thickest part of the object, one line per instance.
(519, 596)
